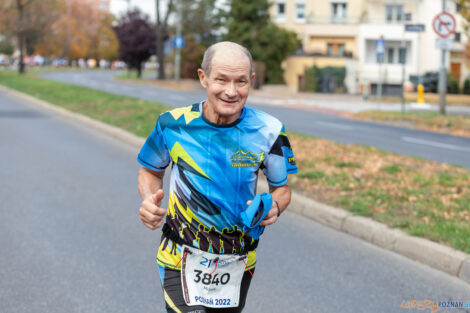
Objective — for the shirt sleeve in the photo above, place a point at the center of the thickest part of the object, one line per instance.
(154, 154)
(280, 161)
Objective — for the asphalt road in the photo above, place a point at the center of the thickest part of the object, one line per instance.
(428, 145)
(71, 240)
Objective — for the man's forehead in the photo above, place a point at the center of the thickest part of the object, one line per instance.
(230, 60)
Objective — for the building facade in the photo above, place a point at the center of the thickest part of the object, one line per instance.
(344, 33)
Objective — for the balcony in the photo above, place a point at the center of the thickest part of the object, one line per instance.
(332, 20)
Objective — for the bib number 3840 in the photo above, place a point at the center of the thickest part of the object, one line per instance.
(211, 280)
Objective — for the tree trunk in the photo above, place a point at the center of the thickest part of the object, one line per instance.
(20, 5)
(161, 31)
(21, 63)
(160, 54)
(139, 70)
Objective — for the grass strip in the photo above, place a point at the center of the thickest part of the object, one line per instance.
(135, 115)
(424, 198)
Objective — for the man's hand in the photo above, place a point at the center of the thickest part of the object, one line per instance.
(271, 218)
(151, 214)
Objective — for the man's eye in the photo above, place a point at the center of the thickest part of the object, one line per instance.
(219, 79)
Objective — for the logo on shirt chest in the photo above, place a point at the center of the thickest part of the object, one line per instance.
(247, 159)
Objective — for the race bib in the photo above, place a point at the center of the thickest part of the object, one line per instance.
(211, 280)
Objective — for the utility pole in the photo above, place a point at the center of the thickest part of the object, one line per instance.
(380, 52)
(443, 75)
(179, 26)
(403, 63)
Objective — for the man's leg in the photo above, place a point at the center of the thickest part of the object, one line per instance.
(173, 293)
(246, 281)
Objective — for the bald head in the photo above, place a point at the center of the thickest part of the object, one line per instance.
(226, 49)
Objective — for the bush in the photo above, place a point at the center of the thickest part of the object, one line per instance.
(452, 84)
(311, 79)
(331, 79)
(325, 79)
(466, 87)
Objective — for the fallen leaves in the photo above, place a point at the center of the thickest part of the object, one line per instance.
(428, 198)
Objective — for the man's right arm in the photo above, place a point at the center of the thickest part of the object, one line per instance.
(150, 188)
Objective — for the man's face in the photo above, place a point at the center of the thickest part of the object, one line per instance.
(228, 84)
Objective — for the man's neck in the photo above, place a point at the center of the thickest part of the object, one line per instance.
(215, 117)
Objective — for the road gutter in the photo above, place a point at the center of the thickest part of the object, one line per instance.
(438, 256)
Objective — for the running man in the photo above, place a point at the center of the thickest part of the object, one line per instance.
(206, 258)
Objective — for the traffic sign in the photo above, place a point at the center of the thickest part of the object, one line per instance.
(418, 28)
(444, 43)
(178, 42)
(380, 47)
(444, 24)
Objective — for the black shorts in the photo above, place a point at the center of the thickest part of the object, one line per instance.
(174, 300)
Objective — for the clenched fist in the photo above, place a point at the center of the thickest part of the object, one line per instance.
(151, 214)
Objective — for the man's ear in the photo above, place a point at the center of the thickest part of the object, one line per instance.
(253, 76)
(202, 77)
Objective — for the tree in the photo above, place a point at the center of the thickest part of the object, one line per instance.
(6, 47)
(465, 13)
(161, 35)
(136, 39)
(248, 24)
(104, 44)
(202, 19)
(81, 30)
(191, 55)
(28, 21)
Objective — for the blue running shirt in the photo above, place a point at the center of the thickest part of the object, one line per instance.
(214, 173)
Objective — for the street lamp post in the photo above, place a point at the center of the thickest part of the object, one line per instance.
(178, 35)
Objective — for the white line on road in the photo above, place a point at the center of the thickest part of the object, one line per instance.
(176, 97)
(434, 144)
(334, 125)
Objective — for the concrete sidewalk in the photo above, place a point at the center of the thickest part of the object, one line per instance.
(436, 255)
(281, 95)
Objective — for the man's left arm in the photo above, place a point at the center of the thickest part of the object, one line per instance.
(281, 195)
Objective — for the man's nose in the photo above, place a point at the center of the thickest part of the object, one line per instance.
(231, 90)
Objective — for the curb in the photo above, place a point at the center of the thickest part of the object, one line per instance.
(435, 255)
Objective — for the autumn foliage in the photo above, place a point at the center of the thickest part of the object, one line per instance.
(83, 29)
(137, 39)
(55, 28)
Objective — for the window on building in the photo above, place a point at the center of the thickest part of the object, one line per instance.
(300, 11)
(341, 49)
(336, 49)
(338, 11)
(457, 37)
(395, 52)
(390, 55)
(402, 56)
(394, 13)
(281, 12)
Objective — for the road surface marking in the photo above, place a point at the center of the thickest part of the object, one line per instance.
(334, 125)
(434, 144)
(176, 97)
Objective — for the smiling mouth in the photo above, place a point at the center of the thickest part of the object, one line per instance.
(229, 101)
